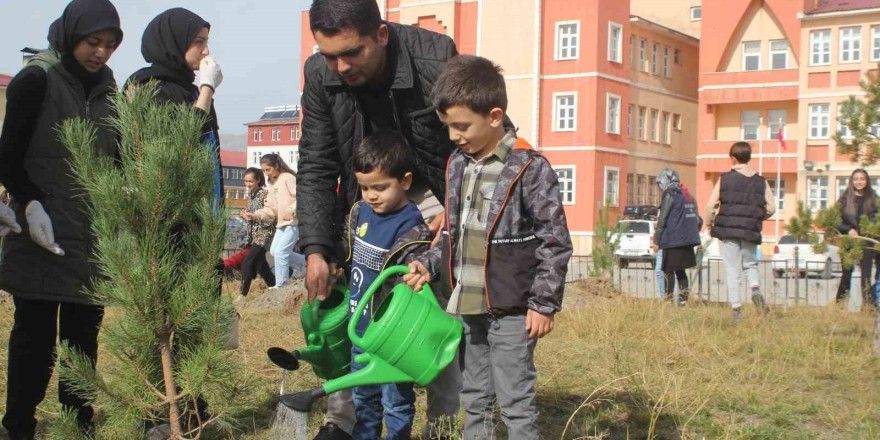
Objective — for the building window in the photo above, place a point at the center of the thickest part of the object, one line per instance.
(261, 136)
(629, 189)
(615, 42)
(779, 54)
(612, 114)
(640, 189)
(664, 128)
(294, 159)
(643, 58)
(776, 122)
(565, 175)
(295, 134)
(875, 43)
(780, 197)
(751, 55)
(841, 183)
(750, 123)
(652, 191)
(666, 72)
(842, 128)
(655, 115)
(629, 121)
(632, 51)
(612, 186)
(255, 158)
(676, 121)
(677, 57)
(817, 193)
(654, 49)
(567, 40)
(565, 111)
(819, 121)
(642, 112)
(850, 45)
(696, 13)
(820, 47)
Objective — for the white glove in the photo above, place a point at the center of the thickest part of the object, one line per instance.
(7, 221)
(40, 227)
(210, 74)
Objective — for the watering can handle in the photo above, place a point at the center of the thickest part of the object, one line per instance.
(316, 303)
(365, 299)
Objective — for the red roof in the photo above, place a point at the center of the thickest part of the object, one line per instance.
(843, 5)
(233, 158)
(5, 80)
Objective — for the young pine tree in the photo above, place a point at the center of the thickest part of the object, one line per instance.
(604, 244)
(158, 238)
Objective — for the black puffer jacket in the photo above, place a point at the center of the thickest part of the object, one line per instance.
(333, 126)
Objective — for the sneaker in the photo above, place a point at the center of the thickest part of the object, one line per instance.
(737, 315)
(758, 299)
(331, 431)
(683, 299)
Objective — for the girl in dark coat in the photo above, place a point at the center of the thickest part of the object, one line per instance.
(260, 232)
(859, 199)
(677, 232)
(47, 269)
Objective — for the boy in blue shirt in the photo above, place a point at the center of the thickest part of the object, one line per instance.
(383, 229)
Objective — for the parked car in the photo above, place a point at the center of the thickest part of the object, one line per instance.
(634, 239)
(808, 262)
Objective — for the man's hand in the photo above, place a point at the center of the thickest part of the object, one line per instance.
(7, 221)
(538, 324)
(317, 277)
(436, 226)
(417, 277)
(40, 228)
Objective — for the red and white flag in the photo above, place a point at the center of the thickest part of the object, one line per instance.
(780, 137)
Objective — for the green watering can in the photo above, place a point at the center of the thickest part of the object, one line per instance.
(409, 338)
(324, 324)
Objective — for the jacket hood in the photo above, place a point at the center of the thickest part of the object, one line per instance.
(80, 19)
(167, 38)
(745, 170)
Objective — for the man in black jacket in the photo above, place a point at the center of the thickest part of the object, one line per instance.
(369, 75)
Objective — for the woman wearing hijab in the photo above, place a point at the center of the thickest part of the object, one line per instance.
(47, 269)
(858, 200)
(175, 43)
(677, 232)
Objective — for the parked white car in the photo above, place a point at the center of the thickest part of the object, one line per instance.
(809, 262)
(634, 241)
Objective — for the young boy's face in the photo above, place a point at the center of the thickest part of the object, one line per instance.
(473, 133)
(384, 193)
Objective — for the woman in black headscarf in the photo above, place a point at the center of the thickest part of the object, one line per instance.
(677, 232)
(175, 42)
(47, 269)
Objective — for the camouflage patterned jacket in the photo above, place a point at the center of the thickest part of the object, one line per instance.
(529, 243)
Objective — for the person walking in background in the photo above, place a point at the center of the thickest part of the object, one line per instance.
(259, 233)
(281, 206)
(858, 200)
(740, 202)
(48, 268)
(677, 232)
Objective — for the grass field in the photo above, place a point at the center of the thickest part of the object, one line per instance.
(619, 368)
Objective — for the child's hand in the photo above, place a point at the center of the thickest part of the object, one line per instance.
(417, 277)
(538, 324)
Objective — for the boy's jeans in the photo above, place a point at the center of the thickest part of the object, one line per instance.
(499, 363)
(395, 400)
(739, 256)
(282, 251)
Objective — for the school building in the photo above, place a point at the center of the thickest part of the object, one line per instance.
(276, 131)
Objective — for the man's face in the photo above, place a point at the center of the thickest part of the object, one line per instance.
(357, 59)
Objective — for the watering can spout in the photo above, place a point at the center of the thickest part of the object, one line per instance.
(375, 372)
(288, 360)
(303, 400)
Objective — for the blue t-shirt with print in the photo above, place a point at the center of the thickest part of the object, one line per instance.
(374, 236)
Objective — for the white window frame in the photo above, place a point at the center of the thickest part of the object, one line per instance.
(574, 39)
(875, 43)
(556, 108)
(615, 46)
(820, 47)
(612, 115)
(255, 134)
(643, 118)
(815, 187)
(641, 194)
(774, 52)
(667, 72)
(629, 121)
(652, 191)
(630, 186)
(676, 121)
(664, 128)
(754, 125)
(615, 195)
(850, 44)
(694, 11)
(569, 197)
(773, 117)
(632, 51)
(655, 49)
(261, 135)
(840, 185)
(820, 129)
(842, 129)
(745, 55)
(643, 54)
(780, 198)
(654, 120)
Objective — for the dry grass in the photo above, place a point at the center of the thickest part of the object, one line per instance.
(618, 368)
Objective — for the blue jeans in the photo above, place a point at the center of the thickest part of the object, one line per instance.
(282, 251)
(661, 277)
(397, 401)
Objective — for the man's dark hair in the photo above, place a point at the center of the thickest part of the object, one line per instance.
(471, 81)
(331, 17)
(383, 150)
(741, 151)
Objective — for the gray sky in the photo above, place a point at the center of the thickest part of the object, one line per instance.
(256, 42)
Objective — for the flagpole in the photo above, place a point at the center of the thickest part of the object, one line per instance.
(760, 148)
(778, 174)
